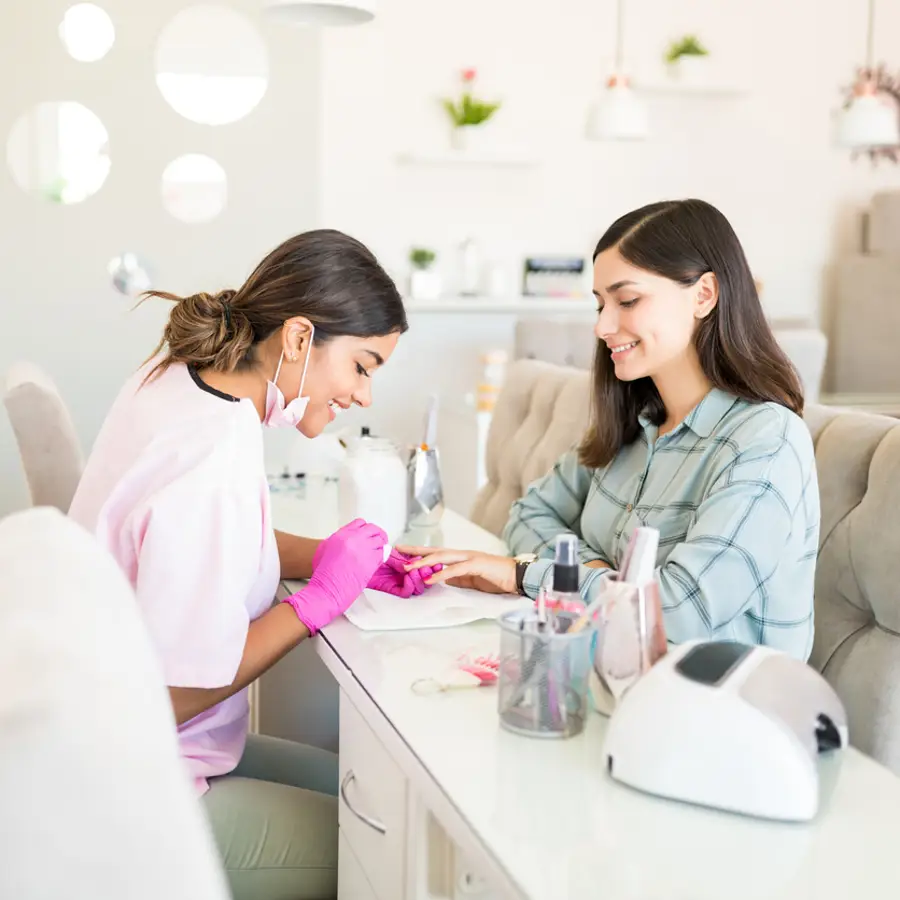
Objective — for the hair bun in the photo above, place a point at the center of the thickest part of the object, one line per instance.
(204, 331)
(207, 306)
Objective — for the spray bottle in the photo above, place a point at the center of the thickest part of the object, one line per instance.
(563, 598)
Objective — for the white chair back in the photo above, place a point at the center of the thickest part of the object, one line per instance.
(96, 800)
(48, 444)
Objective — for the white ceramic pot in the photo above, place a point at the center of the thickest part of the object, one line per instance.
(373, 486)
(468, 138)
(424, 284)
(691, 71)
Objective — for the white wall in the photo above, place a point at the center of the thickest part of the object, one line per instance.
(766, 159)
(57, 307)
(320, 149)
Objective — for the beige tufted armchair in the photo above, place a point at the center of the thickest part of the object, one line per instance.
(543, 411)
(857, 643)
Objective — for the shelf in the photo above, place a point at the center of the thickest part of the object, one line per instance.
(498, 305)
(452, 157)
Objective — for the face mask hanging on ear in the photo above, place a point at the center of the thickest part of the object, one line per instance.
(277, 414)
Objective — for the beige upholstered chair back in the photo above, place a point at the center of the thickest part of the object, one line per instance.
(48, 445)
(543, 410)
(566, 341)
(857, 643)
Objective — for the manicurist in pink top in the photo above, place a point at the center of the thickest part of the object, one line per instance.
(175, 489)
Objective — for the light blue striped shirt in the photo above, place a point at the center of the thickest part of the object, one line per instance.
(733, 493)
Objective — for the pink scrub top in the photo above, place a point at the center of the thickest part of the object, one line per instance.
(175, 488)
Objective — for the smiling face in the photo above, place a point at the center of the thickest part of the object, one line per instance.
(647, 321)
(339, 376)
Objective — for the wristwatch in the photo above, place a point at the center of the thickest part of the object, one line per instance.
(523, 561)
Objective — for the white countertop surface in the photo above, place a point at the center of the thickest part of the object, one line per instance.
(559, 826)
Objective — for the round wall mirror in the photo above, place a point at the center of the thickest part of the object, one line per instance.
(211, 64)
(87, 32)
(194, 188)
(59, 150)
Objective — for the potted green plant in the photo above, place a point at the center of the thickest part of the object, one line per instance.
(468, 114)
(687, 59)
(424, 282)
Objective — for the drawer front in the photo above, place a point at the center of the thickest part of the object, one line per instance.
(352, 881)
(372, 807)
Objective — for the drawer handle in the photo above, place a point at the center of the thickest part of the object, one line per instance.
(348, 779)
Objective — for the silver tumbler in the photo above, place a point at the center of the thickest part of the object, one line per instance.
(426, 493)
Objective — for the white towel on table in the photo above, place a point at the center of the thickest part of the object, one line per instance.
(441, 606)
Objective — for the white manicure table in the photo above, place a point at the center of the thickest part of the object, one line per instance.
(438, 802)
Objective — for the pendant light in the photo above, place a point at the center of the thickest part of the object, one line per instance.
(320, 12)
(618, 114)
(868, 121)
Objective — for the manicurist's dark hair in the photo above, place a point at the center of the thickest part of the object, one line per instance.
(326, 276)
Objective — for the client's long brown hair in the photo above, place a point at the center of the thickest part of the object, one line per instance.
(682, 240)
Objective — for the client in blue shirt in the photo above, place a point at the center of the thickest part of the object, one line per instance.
(695, 431)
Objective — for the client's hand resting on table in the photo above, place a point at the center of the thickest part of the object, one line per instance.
(465, 568)
(470, 569)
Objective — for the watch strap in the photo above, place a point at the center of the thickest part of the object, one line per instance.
(521, 566)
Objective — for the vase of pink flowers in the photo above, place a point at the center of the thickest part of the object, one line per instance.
(468, 114)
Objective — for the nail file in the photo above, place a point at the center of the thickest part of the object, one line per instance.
(641, 561)
(625, 561)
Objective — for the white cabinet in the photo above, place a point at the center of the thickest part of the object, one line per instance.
(352, 881)
(439, 870)
(372, 806)
(391, 846)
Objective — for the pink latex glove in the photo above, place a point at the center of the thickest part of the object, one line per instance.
(392, 578)
(342, 566)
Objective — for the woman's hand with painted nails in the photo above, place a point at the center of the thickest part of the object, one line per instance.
(465, 568)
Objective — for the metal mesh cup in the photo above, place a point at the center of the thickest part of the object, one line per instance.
(543, 677)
